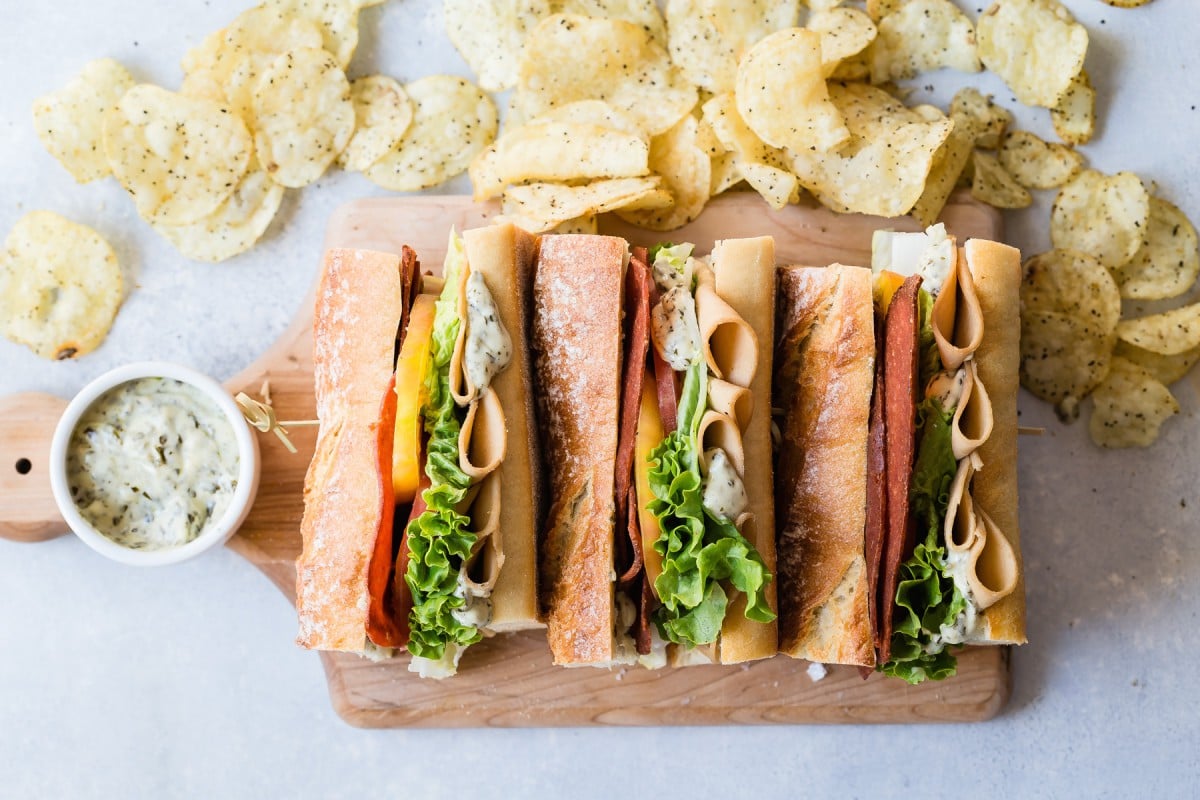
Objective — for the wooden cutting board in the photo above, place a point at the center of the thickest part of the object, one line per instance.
(509, 680)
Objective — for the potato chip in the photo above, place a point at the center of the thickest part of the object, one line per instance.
(580, 58)
(538, 207)
(686, 170)
(60, 286)
(235, 226)
(1062, 359)
(1130, 407)
(878, 9)
(303, 116)
(782, 96)
(853, 68)
(490, 36)
(643, 13)
(337, 20)
(558, 151)
(845, 33)
(1036, 46)
(1168, 263)
(882, 169)
(1127, 3)
(707, 38)
(1074, 117)
(587, 225)
(70, 121)
(382, 114)
(593, 112)
(1104, 216)
(993, 185)
(921, 36)
(948, 165)
(1169, 333)
(725, 173)
(453, 121)
(232, 60)
(1166, 369)
(762, 166)
(1036, 164)
(1071, 283)
(988, 120)
(179, 157)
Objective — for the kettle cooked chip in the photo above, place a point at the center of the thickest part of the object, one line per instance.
(992, 184)
(382, 114)
(60, 286)
(538, 207)
(1105, 216)
(707, 38)
(1036, 46)
(643, 13)
(1130, 407)
(1037, 164)
(179, 156)
(1169, 333)
(1168, 264)
(782, 95)
(70, 121)
(490, 36)
(1071, 283)
(453, 121)
(678, 157)
(921, 36)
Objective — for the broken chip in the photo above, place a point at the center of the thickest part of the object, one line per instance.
(921, 36)
(336, 19)
(1130, 407)
(60, 286)
(845, 33)
(1037, 164)
(1102, 215)
(1168, 263)
(70, 122)
(1036, 46)
(1071, 283)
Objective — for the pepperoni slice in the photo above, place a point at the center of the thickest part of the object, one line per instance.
(637, 341)
(876, 501)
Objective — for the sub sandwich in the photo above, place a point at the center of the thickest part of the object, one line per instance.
(896, 490)
(420, 502)
(653, 370)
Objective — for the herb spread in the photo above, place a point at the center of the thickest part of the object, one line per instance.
(151, 463)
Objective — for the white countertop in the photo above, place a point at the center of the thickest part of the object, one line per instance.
(185, 681)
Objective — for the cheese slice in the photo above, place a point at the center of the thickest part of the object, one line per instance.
(411, 367)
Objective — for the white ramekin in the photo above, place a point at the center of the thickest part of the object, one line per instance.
(212, 535)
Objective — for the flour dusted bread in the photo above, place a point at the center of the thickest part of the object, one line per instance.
(359, 304)
(825, 355)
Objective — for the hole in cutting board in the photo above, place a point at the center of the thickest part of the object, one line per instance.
(24, 465)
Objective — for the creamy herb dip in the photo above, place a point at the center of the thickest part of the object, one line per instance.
(489, 347)
(151, 463)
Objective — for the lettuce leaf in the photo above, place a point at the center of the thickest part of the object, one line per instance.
(439, 540)
(699, 550)
(926, 597)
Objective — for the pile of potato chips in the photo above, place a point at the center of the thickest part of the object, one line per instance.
(265, 105)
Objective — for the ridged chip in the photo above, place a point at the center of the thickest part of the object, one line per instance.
(707, 38)
(491, 35)
(179, 156)
(988, 120)
(1063, 359)
(60, 286)
(1169, 333)
(1102, 215)
(845, 33)
(1130, 407)
(883, 168)
(782, 95)
(762, 166)
(1168, 264)
(921, 36)
(1036, 46)
(231, 61)
(1166, 369)
(235, 226)
(538, 207)
(453, 121)
(1037, 164)
(70, 122)
(1074, 117)
(582, 58)
(992, 184)
(680, 159)
(303, 116)
(1071, 283)
(337, 20)
(382, 114)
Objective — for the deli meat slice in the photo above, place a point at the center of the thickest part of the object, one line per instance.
(900, 375)
(876, 502)
(637, 341)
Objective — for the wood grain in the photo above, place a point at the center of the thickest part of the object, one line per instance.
(509, 680)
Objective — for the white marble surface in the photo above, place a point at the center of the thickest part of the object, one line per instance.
(184, 681)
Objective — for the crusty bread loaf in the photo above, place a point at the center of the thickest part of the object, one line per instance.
(745, 279)
(997, 272)
(503, 254)
(358, 309)
(825, 357)
(576, 339)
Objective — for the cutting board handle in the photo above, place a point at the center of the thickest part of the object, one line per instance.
(27, 421)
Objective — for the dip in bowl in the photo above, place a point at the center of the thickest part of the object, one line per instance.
(153, 463)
